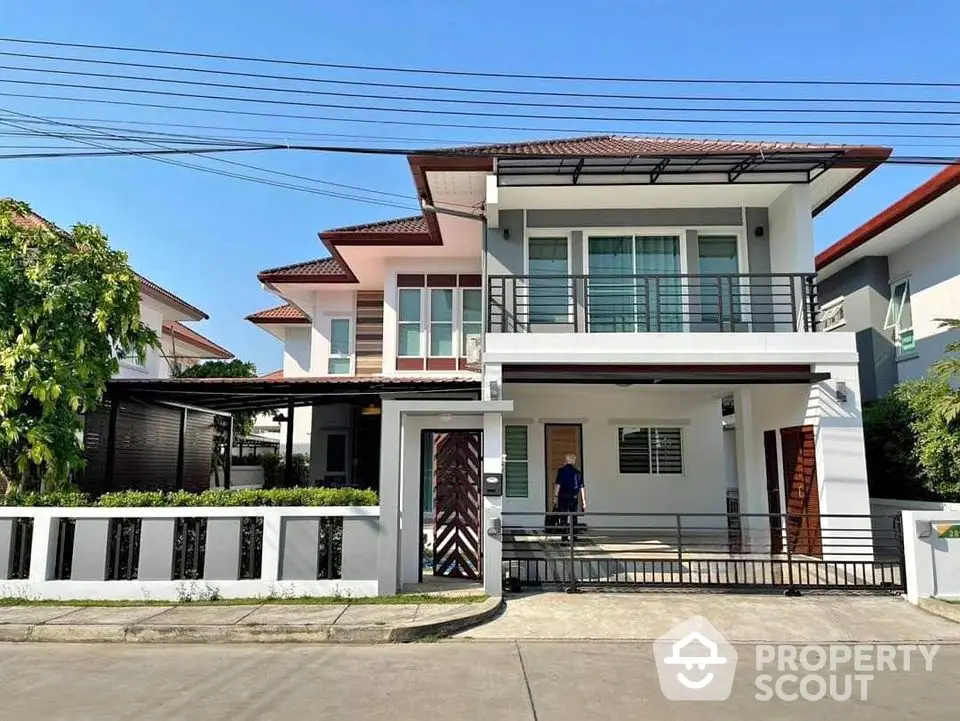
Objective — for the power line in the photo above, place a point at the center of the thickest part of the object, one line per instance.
(490, 74)
(428, 124)
(152, 156)
(382, 138)
(472, 90)
(481, 114)
(463, 101)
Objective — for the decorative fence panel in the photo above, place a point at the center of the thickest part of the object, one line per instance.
(188, 553)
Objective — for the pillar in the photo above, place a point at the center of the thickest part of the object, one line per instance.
(288, 462)
(841, 463)
(492, 506)
(388, 536)
(752, 481)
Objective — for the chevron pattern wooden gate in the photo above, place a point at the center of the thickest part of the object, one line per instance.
(456, 519)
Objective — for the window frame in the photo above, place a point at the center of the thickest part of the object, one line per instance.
(349, 355)
(895, 324)
(524, 287)
(655, 463)
(135, 362)
(421, 342)
(507, 461)
(426, 322)
(430, 322)
(835, 304)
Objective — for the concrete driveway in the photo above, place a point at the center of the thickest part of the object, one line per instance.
(740, 618)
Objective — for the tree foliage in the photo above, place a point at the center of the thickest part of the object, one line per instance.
(948, 370)
(913, 451)
(69, 306)
(242, 420)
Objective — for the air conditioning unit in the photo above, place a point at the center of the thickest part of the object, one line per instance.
(474, 343)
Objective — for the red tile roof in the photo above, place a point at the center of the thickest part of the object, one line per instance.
(274, 374)
(623, 145)
(411, 224)
(941, 183)
(181, 332)
(280, 314)
(327, 268)
(147, 286)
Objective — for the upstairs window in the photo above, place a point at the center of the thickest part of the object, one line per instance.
(340, 361)
(409, 316)
(441, 322)
(831, 315)
(900, 318)
(471, 325)
(517, 463)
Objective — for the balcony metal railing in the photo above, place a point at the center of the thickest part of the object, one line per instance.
(744, 303)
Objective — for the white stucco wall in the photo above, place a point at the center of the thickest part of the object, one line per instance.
(791, 231)
(601, 411)
(154, 365)
(327, 306)
(933, 264)
(296, 364)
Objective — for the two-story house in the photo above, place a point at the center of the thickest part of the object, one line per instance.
(603, 296)
(891, 280)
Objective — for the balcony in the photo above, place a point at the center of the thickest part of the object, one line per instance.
(744, 303)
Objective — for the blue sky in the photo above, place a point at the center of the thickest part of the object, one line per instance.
(205, 237)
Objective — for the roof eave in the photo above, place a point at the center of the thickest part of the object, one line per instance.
(911, 203)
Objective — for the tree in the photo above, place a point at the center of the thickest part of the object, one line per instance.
(69, 307)
(242, 420)
(948, 370)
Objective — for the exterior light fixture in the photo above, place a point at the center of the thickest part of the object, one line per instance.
(841, 391)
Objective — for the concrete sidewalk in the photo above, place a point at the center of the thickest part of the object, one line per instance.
(740, 618)
(276, 623)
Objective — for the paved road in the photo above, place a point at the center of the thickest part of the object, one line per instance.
(502, 681)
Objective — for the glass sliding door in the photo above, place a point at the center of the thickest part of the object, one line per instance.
(720, 292)
(548, 293)
(660, 293)
(611, 288)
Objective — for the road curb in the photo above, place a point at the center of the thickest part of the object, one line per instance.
(253, 633)
(949, 611)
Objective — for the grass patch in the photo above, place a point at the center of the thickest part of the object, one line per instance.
(402, 599)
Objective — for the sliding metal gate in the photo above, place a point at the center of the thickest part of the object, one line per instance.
(660, 550)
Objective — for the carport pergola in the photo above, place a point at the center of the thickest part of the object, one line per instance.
(219, 397)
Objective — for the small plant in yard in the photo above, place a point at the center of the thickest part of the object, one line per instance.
(212, 498)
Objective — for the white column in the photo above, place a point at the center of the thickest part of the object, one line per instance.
(390, 322)
(270, 564)
(492, 506)
(43, 547)
(791, 244)
(389, 532)
(841, 463)
(752, 481)
(492, 373)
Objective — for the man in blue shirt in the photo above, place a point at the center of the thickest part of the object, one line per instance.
(568, 489)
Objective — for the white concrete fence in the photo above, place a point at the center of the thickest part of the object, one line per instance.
(188, 553)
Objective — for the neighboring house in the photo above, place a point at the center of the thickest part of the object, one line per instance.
(615, 291)
(180, 346)
(892, 279)
(164, 313)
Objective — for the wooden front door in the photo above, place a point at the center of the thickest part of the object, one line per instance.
(773, 490)
(559, 440)
(803, 496)
(457, 544)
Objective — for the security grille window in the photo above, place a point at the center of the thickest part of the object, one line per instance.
(831, 316)
(517, 465)
(340, 361)
(900, 318)
(652, 451)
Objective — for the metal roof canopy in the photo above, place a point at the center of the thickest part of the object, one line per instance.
(240, 394)
(784, 166)
(667, 375)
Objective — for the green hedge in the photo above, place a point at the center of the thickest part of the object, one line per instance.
(249, 497)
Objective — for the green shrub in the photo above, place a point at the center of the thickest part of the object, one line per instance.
(220, 497)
